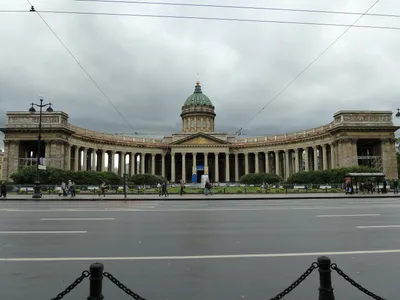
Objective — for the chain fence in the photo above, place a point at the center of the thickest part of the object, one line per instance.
(323, 265)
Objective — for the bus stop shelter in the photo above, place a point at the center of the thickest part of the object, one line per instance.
(356, 178)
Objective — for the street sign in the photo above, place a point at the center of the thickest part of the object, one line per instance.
(40, 167)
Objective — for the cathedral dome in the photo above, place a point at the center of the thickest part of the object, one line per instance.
(198, 98)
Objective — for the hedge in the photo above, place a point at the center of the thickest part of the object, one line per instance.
(328, 176)
(56, 176)
(146, 179)
(260, 178)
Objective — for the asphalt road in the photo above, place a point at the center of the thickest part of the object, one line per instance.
(199, 250)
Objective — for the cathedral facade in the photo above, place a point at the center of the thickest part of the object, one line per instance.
(352, 138)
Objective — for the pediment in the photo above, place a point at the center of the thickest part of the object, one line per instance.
(200, 139)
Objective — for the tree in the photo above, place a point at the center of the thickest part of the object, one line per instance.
(260, 178)
(56, 176)
(327, 176)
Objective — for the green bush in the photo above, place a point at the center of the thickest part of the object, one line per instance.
(260, 178)
(327, 176)
(56, 176)
(146, 179)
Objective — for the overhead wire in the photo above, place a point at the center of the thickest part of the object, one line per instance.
(238, 132)
(33, 10)
(205, 18)
(241, 7)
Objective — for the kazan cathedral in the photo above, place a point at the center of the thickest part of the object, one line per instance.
(352, 137)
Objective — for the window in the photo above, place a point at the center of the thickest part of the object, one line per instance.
(192, 123)
(204, 124)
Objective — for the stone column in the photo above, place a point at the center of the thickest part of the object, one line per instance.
(142, 162)
(173, 167)
(315, 150)
(236, 167)
(287, 166)
(93, 160)
(267, 162)
(122, 160)
(153, 164)
(205, 159)
(246, 163)
(111, 161)
(76, 159)
(333, 161)
(84, 167)
(194, 159)
(306, 160)
(163, 165)
(257, 162)
(216, 167)
(184, 167)
(277, 163)
(324, 157)
(132, 163)
(227, 170)
(103, 160)
(389, 159)
(67, 162)
(296, 161)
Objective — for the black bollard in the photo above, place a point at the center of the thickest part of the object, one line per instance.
(96, 281)
(325, 280)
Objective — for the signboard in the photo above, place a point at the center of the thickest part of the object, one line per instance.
(41, 167)
(194, 171)
(200, 168)
(206, 170)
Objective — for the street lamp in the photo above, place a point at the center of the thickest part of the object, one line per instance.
(37, 189)
(398, 113)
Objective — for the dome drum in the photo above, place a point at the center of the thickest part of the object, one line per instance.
(198, 112)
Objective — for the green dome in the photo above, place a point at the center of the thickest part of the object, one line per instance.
(198, 98)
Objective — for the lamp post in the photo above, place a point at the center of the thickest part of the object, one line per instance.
(398, 113)
(37, 189)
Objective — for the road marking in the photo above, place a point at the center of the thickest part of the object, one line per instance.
(42, 232)
(339, 216)
(77, 219)
(379, 226)
(268, 255)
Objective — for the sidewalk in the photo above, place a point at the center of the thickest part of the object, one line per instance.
(177, 197)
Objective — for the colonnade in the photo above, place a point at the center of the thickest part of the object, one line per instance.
(181, 163)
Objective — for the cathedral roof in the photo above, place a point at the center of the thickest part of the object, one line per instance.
(198, 98)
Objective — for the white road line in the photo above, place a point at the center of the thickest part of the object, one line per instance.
(42, 232)
(379, 226)
(339, 216)
(267, 255)
(77, 219)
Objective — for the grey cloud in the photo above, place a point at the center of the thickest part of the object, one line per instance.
(148, 67)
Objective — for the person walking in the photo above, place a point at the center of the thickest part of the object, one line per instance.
(63, 189)
(396, 186)
(182, 183)
(69, 188)
(103, 189)
(164, 190)
(73, 189)
(3, 190)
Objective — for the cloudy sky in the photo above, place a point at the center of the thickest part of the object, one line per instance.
(149, 66)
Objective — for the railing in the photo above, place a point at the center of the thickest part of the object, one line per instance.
(190, 188)
(323, 264)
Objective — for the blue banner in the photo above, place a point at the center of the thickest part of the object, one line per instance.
(200, 168)
(194, 178)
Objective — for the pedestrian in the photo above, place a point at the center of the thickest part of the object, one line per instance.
(103, 189)
(384, 186)
(69, 187)
(182, 183)
(73, 189)
(396, 186)
(159, 189)
(164, 190)
(207, 188)
(63, 189)
(3, 190)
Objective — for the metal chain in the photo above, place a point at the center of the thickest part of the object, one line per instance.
(314, 266)
(61, 295)
(352, 282)
(122, 286)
